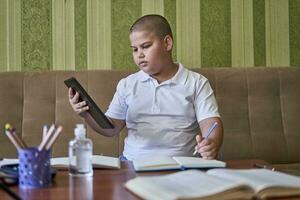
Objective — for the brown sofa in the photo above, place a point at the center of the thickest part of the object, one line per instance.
(259, 109)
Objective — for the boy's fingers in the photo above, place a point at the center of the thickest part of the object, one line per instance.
(209, 155)
(82, 109)
(74, 99)
(76, 96)
(198, 138)
(208, 151)
(71, 93)
(204, 142)
(205, 148)
(80, 105)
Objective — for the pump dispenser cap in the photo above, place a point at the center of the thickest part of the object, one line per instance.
(80, 131)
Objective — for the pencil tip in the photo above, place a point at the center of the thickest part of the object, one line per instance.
(7, 126)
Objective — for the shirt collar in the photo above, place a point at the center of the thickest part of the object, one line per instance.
(143, 76)
(179, 78)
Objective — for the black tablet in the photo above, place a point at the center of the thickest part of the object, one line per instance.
(94, 110)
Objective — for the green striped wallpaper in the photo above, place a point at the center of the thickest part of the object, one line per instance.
(294, 22)
(80, 34)
(36, 35)
(215, 33)
(259, 33)
(93, 34)
(123, 14)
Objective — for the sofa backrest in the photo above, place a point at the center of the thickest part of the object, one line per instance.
(258, 106)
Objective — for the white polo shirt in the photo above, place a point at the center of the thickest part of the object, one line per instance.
(162, 119)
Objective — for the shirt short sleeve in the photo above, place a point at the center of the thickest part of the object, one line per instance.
(205, 101)
(118, 108)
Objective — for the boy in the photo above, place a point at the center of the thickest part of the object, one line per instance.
(164, 104)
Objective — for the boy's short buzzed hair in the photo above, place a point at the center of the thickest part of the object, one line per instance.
(153, 23)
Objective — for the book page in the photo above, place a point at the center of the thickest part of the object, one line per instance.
(155, 163)
(258, 179)
(185, 185)
(106, 161)
(195, 162)
(9, 161)
(60, 162)
(97, 160)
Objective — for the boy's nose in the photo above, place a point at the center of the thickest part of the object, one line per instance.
(141, 54)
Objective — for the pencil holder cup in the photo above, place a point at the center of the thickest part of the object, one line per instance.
(34, 168)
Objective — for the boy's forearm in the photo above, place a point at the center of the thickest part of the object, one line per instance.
(217, 135)
(105, 132)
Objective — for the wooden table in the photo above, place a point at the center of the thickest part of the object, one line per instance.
(105, 184)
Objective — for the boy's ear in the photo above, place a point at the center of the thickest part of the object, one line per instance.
(168, 42)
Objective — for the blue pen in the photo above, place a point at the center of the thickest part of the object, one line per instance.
(211, 129)
(208, 133)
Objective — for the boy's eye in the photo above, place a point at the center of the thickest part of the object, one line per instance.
(146, 46)
(134, 49)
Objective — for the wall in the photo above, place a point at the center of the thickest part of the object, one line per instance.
(93, 34)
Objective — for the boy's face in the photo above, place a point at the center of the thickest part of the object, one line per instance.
(149, 51)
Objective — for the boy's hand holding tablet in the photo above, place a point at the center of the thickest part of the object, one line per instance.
(81, 103)
(79, 107)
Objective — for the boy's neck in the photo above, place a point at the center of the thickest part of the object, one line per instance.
(167, 73)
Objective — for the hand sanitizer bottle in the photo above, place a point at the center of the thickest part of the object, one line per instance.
(80, 153)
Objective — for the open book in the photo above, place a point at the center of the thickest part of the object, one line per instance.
(216, 184)
(98, 162)
(178, 162)
(9, 161)
(63, 162)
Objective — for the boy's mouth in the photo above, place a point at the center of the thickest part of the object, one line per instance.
(143, 64)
